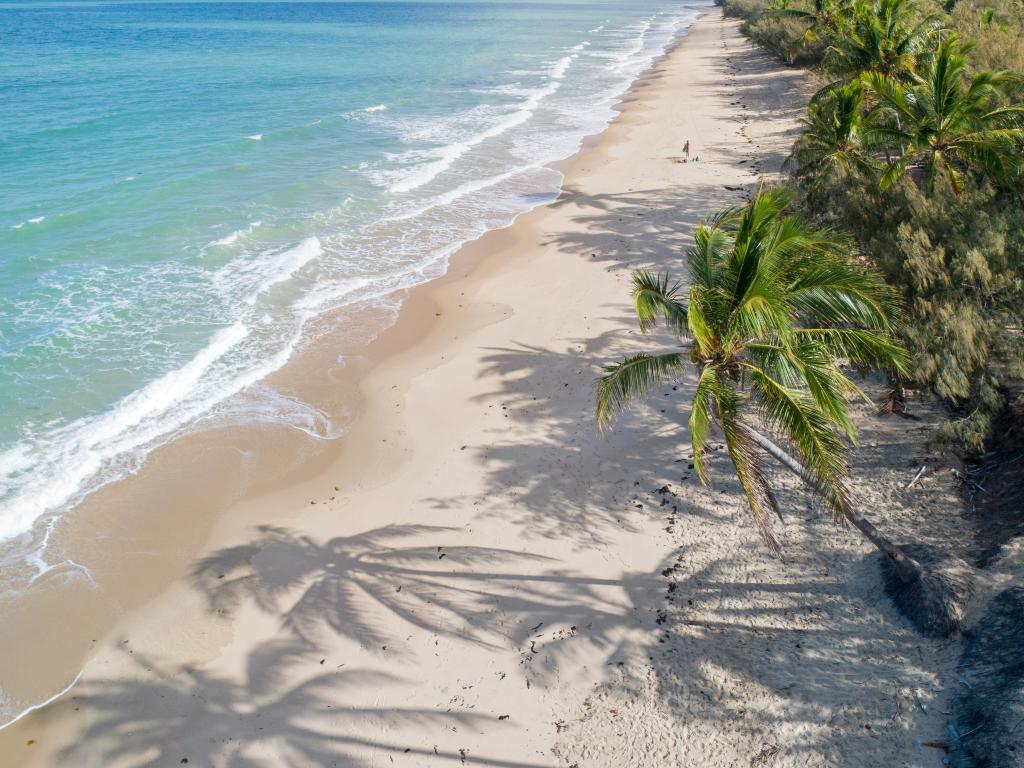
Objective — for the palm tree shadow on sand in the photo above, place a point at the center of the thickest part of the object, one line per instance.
(194, 717)
(779, 658)
(557, 482)
(803, 638)
(357, 586)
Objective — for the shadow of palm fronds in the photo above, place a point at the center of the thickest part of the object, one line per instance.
(157, 716)
(356, 586)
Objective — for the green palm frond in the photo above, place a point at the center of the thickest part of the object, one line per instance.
(632, 378)
(700, 317)
(796, 415)
(761, 313)
(834, 292)
(828, 386)
(882, 36)
(657, 295)
(776, 360)
(714, 394)
(746, 460)
(810, 365)
(947, 123)
(865, 348)
(894, 172)
(705, 258)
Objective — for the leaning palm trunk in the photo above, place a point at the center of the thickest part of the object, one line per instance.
(774, 313)
(906, 568)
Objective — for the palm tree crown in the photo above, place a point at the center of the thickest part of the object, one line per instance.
(884, 36)
(948, 122)
(836, 138)
(822, 20)
(773, 309)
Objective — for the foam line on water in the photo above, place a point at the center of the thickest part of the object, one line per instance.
(265, 404)
(78, 451)
(329, 293)
(33, 220)
(637, 47)
(286, 264)
(29, 710)
(447, 156)
(252, 274)
(469, 188)
(232, 238)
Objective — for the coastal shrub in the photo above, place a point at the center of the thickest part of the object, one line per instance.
(958, 260)
(746, 10)
(783, 37)
(997, 28)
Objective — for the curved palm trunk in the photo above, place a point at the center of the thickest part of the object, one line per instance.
(906, 567)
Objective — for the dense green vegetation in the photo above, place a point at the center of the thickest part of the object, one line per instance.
(913, 145)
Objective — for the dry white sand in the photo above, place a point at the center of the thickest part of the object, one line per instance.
(480, 579)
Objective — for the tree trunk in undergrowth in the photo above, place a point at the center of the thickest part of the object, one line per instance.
(908, 569)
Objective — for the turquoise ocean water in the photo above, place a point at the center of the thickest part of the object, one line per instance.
(184, 186)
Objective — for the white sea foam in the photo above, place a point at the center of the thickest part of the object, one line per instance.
(34, 220)
(446, 156)
(628, 57)
(40, 705)
(263, 404)
(44, 472)
(356, 114)
(232, 238)
(64, 460)
(253, 273)
(469, 188)
(255, 137)
(228, 239)
(329, 293)
(285, 264)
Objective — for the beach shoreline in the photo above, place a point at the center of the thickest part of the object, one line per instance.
(470, 561)
(129, 532)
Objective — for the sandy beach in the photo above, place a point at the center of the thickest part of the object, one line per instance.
(472, 575)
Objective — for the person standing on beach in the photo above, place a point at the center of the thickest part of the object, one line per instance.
(686, 149)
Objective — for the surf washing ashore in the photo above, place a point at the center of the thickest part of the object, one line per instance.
(168, 264)
(446, 564)
(275, 176)
(468, 574)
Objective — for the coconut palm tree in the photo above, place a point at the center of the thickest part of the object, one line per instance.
(823, 19)
(837, 139)
(774, 309)
(884, 36)
(949, 123)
